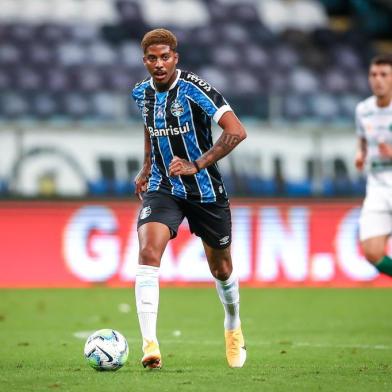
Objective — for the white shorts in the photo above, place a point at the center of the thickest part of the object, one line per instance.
(376, 214)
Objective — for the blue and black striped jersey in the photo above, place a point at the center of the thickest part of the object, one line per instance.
(179, 123)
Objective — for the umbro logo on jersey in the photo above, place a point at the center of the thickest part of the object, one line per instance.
(142, 102)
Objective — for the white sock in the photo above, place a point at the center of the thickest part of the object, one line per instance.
(147, 299)
(229, 294)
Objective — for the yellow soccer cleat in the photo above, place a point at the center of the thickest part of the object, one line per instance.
(152, 356)
(235, 348)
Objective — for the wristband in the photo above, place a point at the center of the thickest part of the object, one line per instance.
(196, 166)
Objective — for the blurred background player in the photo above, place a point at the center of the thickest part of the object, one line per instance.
(374, 128)
(180, 178)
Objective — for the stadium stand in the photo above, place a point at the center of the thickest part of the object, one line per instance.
(77, 59)
(281, 61)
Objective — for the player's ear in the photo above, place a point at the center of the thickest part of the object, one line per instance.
(176, 57)
(144, 60)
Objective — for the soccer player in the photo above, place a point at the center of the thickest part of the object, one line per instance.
(180, 178)
(374, 129)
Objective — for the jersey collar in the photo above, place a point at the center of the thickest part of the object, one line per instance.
(172, 85)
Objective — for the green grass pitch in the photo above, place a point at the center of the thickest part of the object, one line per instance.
(297, 339)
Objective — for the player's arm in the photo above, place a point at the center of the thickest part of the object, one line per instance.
(233, 134)
(141, 178)
(360, 156)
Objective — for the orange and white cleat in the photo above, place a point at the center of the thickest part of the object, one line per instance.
(235, 348)
(152, 356)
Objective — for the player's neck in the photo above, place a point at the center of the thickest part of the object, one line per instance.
(166, 86)
(383, 101)
(161, 87)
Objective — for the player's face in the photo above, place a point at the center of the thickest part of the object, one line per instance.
(161, 62)
(380, 79)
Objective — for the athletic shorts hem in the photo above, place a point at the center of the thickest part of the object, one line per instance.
(173, 232)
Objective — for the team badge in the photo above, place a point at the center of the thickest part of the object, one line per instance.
(145, 212)
(176, 109)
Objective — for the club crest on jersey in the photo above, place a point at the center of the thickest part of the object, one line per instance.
(176, 109)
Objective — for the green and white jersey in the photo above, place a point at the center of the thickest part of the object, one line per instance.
(374, 124)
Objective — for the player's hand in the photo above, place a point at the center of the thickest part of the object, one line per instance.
(141, 181)
(181, 167)
(385, 150)
(360, 160)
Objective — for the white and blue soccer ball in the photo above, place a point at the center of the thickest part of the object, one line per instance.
(106, 349)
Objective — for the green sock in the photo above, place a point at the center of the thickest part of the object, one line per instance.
(385, 265)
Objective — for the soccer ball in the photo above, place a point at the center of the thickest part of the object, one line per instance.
(106, 349)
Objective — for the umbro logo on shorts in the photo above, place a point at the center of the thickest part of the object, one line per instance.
(224, 240)
(145, 212)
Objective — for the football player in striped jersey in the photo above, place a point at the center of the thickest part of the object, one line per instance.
(180, 178)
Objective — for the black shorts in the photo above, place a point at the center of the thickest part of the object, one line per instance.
(209, 221)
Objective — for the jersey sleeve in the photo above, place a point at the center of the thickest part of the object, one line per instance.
(137, 92)
(360, 131)
(210, 100)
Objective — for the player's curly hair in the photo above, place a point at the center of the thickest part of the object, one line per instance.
(159, 37)
(382, 59)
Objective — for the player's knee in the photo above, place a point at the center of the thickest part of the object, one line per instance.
(221, 270)
(148, 255)
(221, 275)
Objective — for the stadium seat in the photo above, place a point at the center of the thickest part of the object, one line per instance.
(28, 79)
(44, 105)
(56, 79)
(107, 106)
(324, 106)
(303, 81)
(280, 15)
(14, 105)
(76, 105)
(88, 79)
(335, 80)
(10, 55)
(295, 107)
(188, 13)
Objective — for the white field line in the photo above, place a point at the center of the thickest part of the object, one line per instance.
(85, 334)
